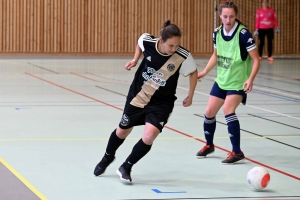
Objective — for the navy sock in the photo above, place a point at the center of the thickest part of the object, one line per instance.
(139, 150)
(234, 133)
(114, 143)
(209, 127)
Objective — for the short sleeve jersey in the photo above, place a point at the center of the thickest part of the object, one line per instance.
(156, 78)
(234, 64)
(247, 42)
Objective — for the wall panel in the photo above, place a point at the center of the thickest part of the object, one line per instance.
(113, 26)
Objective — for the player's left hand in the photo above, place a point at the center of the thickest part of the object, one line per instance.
(277, 30)
(187, 101)
(200, 75)
(248, 86)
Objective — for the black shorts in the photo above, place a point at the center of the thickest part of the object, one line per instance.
(218, 92)
(156, 114)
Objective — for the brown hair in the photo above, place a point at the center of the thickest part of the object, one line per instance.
(169, 30)
(228, 4)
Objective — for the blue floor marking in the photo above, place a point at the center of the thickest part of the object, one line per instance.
(21, 108)
(160, 192)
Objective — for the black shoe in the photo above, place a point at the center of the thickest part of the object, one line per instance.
(102, 165)
(124, 173)
(234, 158)
(208, 149)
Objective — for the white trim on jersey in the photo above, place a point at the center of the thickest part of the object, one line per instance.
(145, 37)
(231, 31)
(140, 41)
(183, 51)
(188, 66)
(250, 48)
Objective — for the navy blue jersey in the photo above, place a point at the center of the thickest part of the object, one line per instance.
(247, 43)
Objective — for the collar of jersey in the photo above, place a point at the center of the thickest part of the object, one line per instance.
(156, 47)
(231, 31)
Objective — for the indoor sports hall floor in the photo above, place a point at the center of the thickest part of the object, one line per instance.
(57, 114)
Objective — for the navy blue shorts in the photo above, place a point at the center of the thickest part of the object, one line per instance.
(156, 114)
(218, 92)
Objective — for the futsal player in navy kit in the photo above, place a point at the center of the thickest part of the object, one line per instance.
(151, 96)
(237, 61)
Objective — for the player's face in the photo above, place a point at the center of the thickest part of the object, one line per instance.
(228, 17)
(170, 45)
(264, 3)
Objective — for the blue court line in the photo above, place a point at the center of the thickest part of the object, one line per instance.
(276, 96)
(160, 192)
(21, 108)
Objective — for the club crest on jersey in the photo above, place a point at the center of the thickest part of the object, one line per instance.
(171, 67)
(125, 120)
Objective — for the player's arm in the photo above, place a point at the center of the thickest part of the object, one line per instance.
(213, 59)
(133, 62)
(210, 65)
(255, 64)
(275, 22)
(253, 53)
(193, 83)
(257, 20)
(189, 68)
(138, 52)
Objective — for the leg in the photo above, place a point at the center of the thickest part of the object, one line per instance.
(231, 103)
(261, 36)
(270, 36)
(116, 139)
(215, 102)
(213, 106)
(141, 148)
(131, 117)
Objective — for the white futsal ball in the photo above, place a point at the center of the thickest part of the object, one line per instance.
(258, 178)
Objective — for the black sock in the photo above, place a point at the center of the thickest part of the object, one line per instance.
(234, 132)
(139, 150)
(114, 143)
(209, 127)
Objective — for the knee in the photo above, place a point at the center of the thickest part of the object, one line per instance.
(228, 110)
(148, 138)
(123, 133)
(209, 113)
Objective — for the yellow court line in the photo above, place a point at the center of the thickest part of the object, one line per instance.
(22, 179)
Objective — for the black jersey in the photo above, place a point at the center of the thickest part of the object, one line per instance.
(156, 78)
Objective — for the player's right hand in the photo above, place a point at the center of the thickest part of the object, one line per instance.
(255, 32)
(130, 65)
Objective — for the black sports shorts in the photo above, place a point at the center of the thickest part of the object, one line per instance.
(156, 114)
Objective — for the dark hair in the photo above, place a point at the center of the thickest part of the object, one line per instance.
(169, 30)
(228, 4)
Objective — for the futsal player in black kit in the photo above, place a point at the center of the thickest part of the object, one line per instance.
(151, 96)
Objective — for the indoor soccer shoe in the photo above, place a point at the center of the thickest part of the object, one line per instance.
(208, 149)
(124, 174)
(234, 158)
(102, 165)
